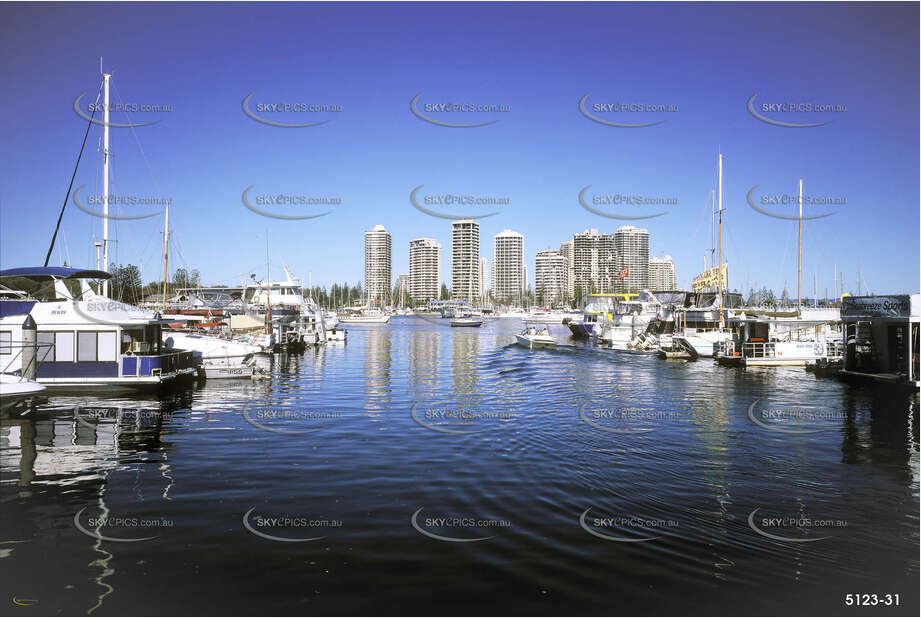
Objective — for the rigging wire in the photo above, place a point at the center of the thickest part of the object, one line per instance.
(89, 124)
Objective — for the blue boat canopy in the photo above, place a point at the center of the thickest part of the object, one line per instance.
(61, 272)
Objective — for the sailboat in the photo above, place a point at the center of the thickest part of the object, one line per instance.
(87, 341)
(704, 338)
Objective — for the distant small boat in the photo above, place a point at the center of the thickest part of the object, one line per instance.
(335, 334)
(533, 337)
(467, 321)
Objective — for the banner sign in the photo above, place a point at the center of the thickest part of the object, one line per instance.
(876, 306)
(712, 278)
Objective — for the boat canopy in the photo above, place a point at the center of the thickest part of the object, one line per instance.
(61, 272)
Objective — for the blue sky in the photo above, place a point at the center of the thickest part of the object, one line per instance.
(537, 59)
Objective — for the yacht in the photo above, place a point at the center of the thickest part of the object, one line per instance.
(363, 315)
(87, 341)
(630, 319)
(283, 300)
(597, 307)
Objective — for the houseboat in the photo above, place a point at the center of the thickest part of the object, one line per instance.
(87, 341)
(881, 339)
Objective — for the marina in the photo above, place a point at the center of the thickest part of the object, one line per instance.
(460, 309)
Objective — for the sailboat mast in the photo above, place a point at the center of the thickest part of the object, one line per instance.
(712, 228)
(268, 289)
(165, 253)
(799, 262)
(719, 266)
(105, 180)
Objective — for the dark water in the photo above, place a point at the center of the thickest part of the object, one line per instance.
(350, 441)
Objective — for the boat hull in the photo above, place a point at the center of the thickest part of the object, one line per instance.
(534, 342)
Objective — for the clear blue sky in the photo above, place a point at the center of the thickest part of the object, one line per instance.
(539, 60)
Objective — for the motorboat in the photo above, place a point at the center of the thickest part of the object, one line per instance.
(630, 319)
(15, 389)
(210, 348)
(467, 321)
(535, 337)
(363, 315)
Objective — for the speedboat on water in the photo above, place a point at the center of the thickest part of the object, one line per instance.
(534, 337)
(467, 321)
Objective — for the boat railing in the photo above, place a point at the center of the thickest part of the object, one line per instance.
(21, 345)
(759, 349)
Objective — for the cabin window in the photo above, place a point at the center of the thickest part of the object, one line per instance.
(64, 347)
(97, 346)
(6, 342)
(107, 346)
(86, 347)
(45, 342)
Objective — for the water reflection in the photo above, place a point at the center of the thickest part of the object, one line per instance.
(192, 458)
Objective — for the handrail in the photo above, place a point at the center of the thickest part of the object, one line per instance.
(22, 346)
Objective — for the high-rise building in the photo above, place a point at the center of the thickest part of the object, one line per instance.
(632, 246)
(465, 260)
(377, 266)
(424, 269)
(594, 262)
(484, 281)
(662, 274)
(508, 283)
(550, 268)
(566, 251)
(402, 297)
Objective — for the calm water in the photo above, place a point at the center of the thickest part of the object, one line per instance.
(577, 480)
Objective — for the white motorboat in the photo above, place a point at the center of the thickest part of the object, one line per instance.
(533, 337)
(14, 389)
(467, 321)
(335, 334)
(364, 315)
(210, 348)
(629, 319)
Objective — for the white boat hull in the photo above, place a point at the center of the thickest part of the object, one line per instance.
(535, 341)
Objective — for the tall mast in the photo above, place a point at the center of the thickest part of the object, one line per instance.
(105, 179)
(799, 262)
(712, 228)
(165, 252)
(268, 289)
(719, 266)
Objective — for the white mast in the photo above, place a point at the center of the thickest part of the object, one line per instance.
(165, 253)
(719, 266)
(799, 262)
(105, 179)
